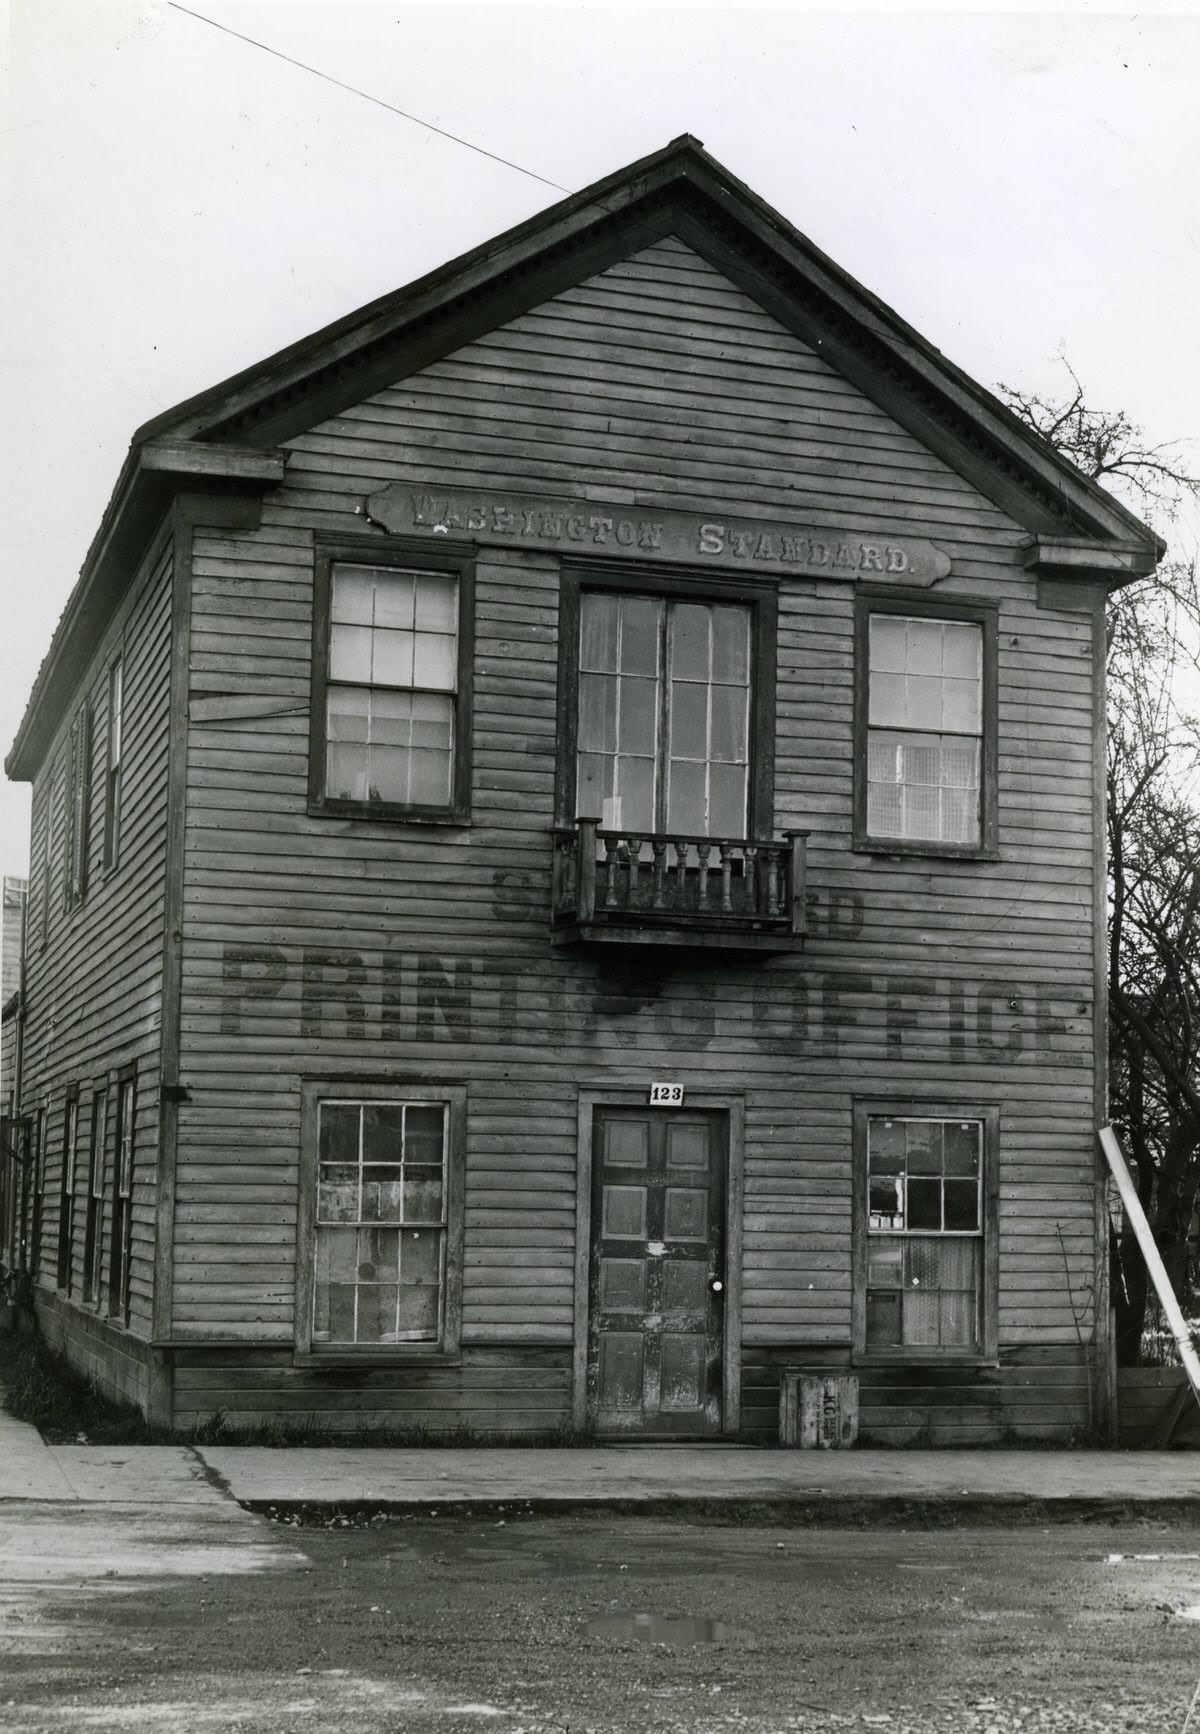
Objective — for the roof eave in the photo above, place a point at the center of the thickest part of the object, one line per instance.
(152, 474)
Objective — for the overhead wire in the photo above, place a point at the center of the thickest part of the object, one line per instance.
(366, 95)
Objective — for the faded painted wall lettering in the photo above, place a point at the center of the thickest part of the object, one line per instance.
(576, 525)
(390, 996)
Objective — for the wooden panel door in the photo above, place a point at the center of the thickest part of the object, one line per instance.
(657, 1271)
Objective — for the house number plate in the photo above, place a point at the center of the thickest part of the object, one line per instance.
(666, 1095)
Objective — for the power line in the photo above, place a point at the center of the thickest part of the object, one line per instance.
(367, 97)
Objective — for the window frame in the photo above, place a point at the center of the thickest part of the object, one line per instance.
(114, 713)
(313, 1092)
(921, 605)
(68, 1175)
(679, 585)
(41, 1181)
(77, 808)
(403, 554)
(120, 1258)
(97, 1174)
(986, 1352)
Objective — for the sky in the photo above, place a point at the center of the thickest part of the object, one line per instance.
(1018, 185)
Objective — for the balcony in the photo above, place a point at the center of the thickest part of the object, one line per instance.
(735, 894)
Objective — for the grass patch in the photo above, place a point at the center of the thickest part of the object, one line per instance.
(67, 1408)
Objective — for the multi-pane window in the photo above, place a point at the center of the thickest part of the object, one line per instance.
(66, 1190)
(93, 1219)
(392, 687)
(924, 1232)
(381, 1223)
(664, 723)
(925, 729)
(77, 808)
(41, 1181)
(122, 1203)
(43, 893)
(112, 774)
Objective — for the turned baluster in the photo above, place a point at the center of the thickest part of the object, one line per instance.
(635, 858)
(703, 851)
(659, 847)
(679, 890)
(726, 852)
(753, 880)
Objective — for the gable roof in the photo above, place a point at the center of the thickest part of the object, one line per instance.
(226, 437)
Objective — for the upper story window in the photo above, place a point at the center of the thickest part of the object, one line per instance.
(926, 758)
(77, 808)
(112, 773)
(671, 729)
(389, 691)
(664, 715)
(44, 859)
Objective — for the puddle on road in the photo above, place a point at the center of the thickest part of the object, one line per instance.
(655, 1629)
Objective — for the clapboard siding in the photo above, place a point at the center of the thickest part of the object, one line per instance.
(1040, 1393)
(116, 1359)
(522, 1392)
(659, 381)
(94, 973)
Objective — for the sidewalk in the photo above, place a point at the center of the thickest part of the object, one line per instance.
(706, 1480)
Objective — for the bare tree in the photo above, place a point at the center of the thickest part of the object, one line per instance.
(1154, 841)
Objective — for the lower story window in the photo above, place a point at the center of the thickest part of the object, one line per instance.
(384, 1215)
(927, 1228)
(120, 1258)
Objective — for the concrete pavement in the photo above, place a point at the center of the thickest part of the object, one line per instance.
(101, 1474)
(810, 1486)
(784, 1485)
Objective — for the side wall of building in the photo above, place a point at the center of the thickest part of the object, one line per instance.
(94, 968)
(418, 953)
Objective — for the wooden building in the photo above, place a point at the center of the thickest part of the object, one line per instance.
(567, 874)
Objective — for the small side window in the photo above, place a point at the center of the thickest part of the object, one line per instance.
(112, 773)
(66, 1190)
(41, 1182)
(93, 1241)
(77, 809)
(121, 1210)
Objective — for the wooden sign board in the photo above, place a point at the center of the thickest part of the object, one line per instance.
(579, 526)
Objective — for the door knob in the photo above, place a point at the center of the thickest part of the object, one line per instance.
(716, 1285)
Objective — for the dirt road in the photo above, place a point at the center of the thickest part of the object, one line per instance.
(180, 1621)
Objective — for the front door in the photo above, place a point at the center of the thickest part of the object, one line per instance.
(657, 1271)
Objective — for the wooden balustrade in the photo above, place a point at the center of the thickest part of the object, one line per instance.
(667, 889)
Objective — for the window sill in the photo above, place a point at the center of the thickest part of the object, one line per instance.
(386, 1355)
(899, 847)
(931, 1359)
(386, 815)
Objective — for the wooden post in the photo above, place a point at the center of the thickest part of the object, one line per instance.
(585, 869)
(797, 873)
(1154, 1264)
